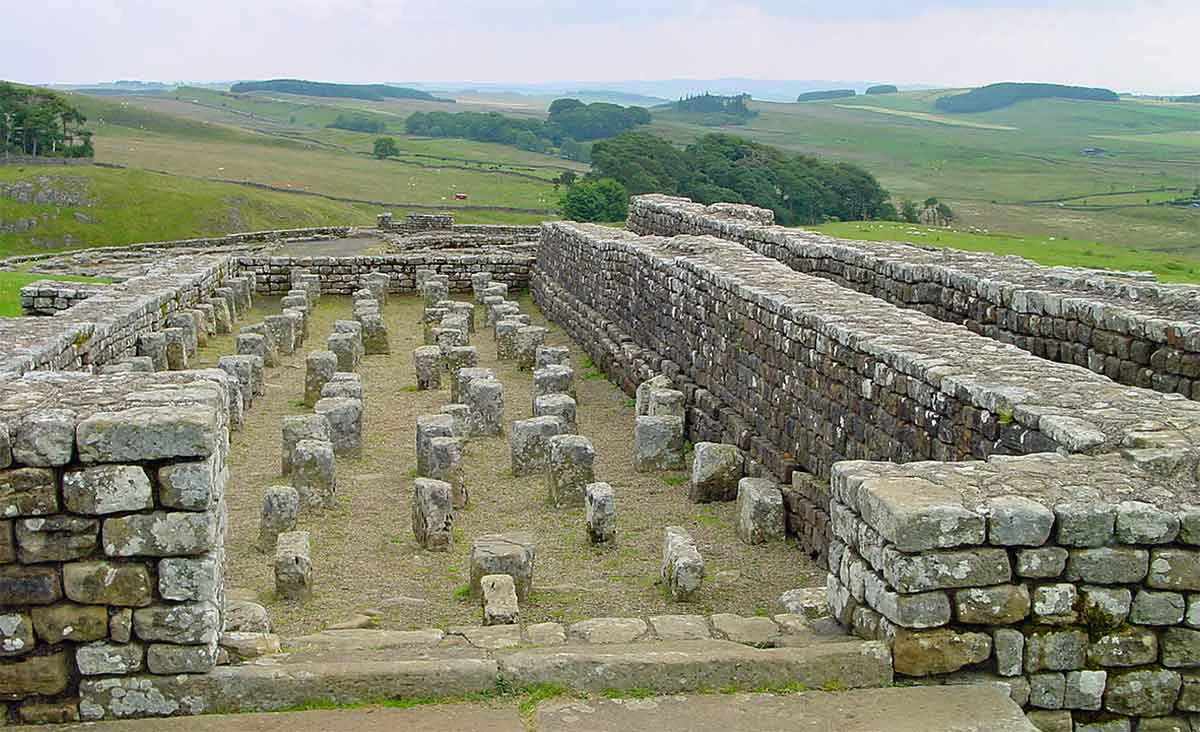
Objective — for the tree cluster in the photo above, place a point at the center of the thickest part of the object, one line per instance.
(358, 123)
(721, 167)
(820, 96)
(998, 96)
(596, 200)
(882, 89)
(717, 109)
(569, 124)
(370, 92)
(39, 122)
(931, 212)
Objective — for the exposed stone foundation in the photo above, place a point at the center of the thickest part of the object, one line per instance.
(344, 275)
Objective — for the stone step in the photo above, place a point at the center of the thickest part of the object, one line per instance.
(983, 708)
(680, 666)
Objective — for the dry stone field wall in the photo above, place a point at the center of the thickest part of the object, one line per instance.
(1125, 326)
(992, 513)
(343, 275)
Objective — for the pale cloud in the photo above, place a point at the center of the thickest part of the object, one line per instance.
(1143, 45)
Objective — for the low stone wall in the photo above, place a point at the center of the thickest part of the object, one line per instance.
(344, 275)
(105, 327)
(509, 238)
(46, 297)
(1039, 547)
(1122, 325)
(112, 498)
(1073, 578)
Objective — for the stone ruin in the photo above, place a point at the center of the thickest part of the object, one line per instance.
(995, 460)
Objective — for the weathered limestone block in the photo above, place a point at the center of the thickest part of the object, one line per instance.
(104, 489)
(458, 318)
(760, 510)
(642, 396)
(1045, 562)
(1055, 650)
(374, 335)
(243, 293)
(255, 344)
(917, 515)
(154, 347)
(300, 324)
(460, 414)
(28, 492)
(108, 583)
(569, 469)
(222, 317)
(248, 370)
(666, 403)
(682, 566)
(998, 605)
(1085, 523)
(600, 506)
(177, 348)
(281, 506)
(445, 464)
(283, 328)
(529, 339)
(344, 384)
(433, 514)
(231, 301)
(25, 585)
(716, 470)
(345, 423)
(161, 534)
(319, 368)
(485, 397)
(346, 346)
(427, 360)
(448, 339)
(500, 606)
(945, 570)
(552, 356)
(1157, 608)
(295, 428)
(143, 434)
(44, 438)
(270, 349)
(479, 283)
(461, 357)
(46, 675)
(434, 291)
(561, 406)
(461, 381)
(190, 579)
(529, 443)
(378, 283)
(243, 616)
(68, 621)
(293, 566)
(16, 634)
(313, 473)
(99, 658)
(1174, 569)
(55, 538)
(941, 651)
(506, 339)
(193, 623)
(554, 380)
(186, 321)
(1018, 521)
(657, 444)
(510, 554)
(1142, 693)
(170, 659)
(430, 426)
(1143, 523)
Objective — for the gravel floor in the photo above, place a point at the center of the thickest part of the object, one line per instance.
(364, 554)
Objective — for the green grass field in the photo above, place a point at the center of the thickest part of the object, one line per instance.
(12, 282)
(203, 162)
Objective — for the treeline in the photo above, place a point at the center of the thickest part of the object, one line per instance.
(1194, 98)
(721, 167)
(883, 89)
(998, 96)
(818, 96)
(730, 107)
(370, 92)
(358, 123)
(570, 122)
(39, 122)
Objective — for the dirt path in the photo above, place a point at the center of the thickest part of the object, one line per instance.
(364, 553)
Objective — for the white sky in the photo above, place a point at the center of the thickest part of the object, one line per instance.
(1127, 45)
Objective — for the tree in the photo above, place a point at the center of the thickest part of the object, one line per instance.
(39, 122)
(567, 178)
(596, 200)
(909, 213)
(385, 147)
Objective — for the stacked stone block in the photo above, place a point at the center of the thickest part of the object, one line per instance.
(112, 531)
(345, 275)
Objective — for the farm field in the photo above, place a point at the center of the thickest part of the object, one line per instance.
(1007, 170)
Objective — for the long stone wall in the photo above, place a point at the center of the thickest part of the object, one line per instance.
(105, 326)
(112, 516)
(344, 275)
(1024, 519)
(1122, 325)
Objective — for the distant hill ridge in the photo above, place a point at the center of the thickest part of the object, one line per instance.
(369, 92)
(818, 96)
(1006, 94)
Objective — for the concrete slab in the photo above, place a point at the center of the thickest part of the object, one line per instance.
(983, 708)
